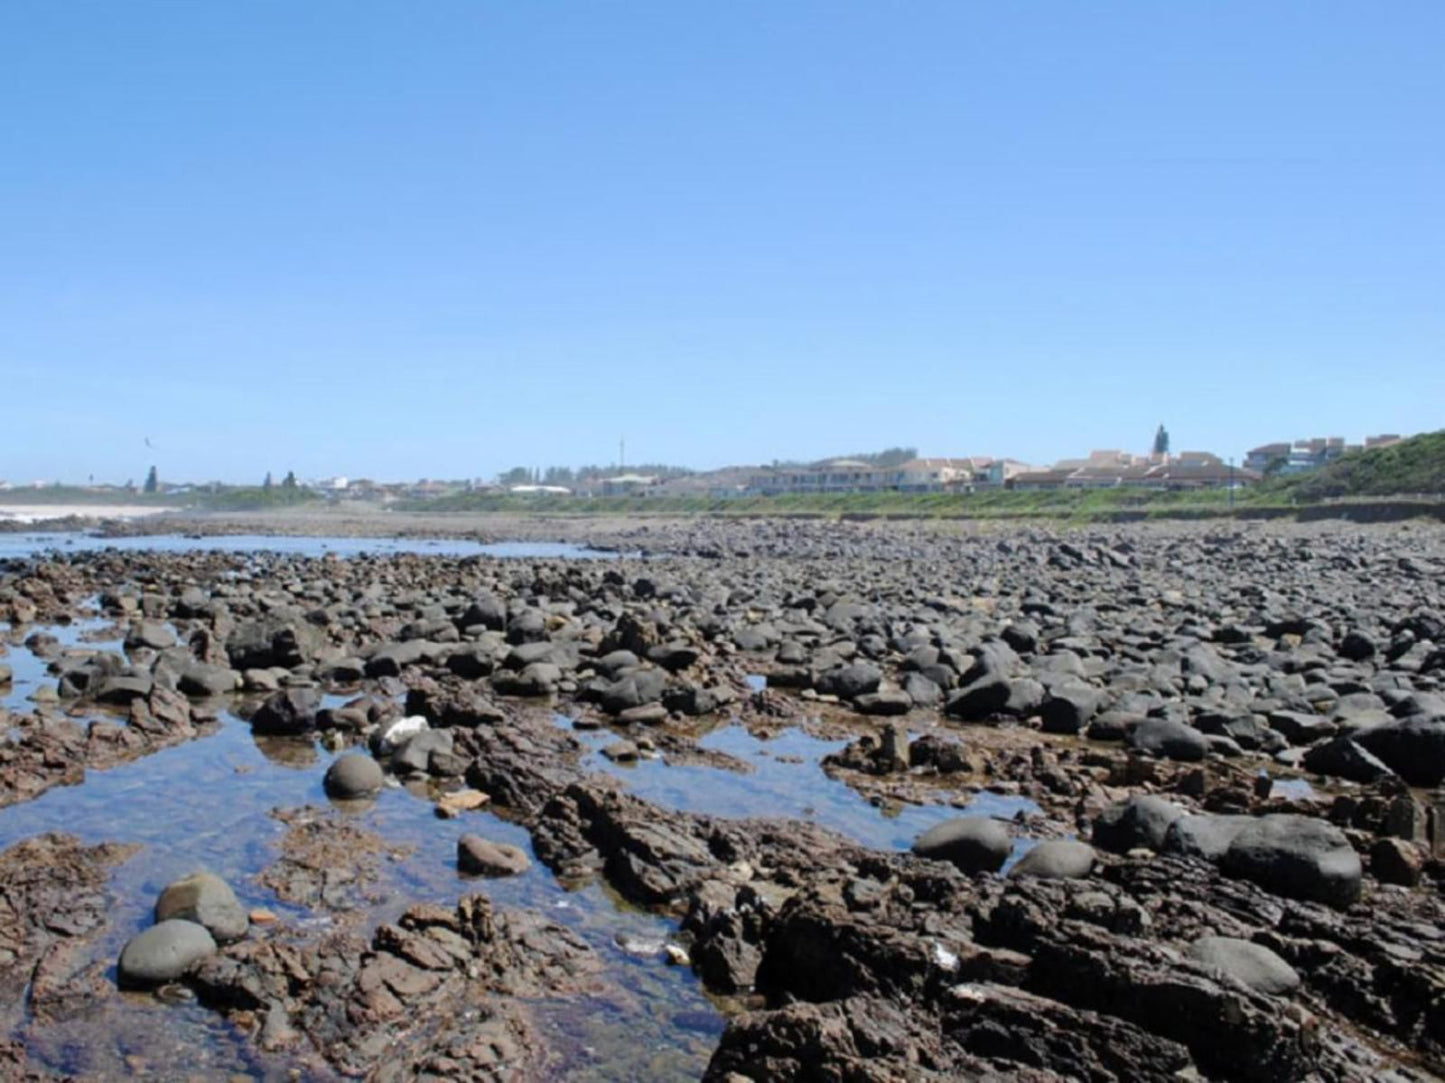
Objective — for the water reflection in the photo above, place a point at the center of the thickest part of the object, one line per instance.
(207, 804)
(20, 546)
(786, 781)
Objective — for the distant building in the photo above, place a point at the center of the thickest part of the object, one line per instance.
(427, 490)
(1002, 471)
(1108, 477)
(720, 484)
(1111, 470)
(1302, 456)
(1259, 459)
(540, 490)
(627, 484)
(936, 475)
(855, 476)
(1053, 478)
(834, 476)
(1202, 473)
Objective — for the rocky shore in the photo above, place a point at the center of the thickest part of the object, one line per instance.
(1221, 747)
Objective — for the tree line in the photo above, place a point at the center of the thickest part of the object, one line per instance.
(569, 476)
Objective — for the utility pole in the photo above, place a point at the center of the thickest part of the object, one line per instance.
(622, 455)
(1231, 481)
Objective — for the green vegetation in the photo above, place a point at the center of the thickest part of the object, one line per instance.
(1077, 505)
(257, 499)
(993, 504)
(75, 494)
(568, 477)
(1412, 467)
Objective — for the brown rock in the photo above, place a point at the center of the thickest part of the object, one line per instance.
(1395, 861)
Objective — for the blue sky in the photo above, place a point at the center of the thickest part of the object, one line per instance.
(440, 239)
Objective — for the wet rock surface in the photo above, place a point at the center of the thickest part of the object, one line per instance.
(1214, 747)
(54, 897)
(440, 994)
(327, 863)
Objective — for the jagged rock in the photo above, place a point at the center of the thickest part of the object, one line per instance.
(290, 711)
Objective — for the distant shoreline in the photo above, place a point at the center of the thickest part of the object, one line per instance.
(36, 513)
(572, 523)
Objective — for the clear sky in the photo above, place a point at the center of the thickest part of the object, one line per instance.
(401, 239)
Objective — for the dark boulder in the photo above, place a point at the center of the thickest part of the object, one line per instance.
(985, 698)
(274, 640)
(1205, 836)
(353, 776)
(887, 702)
(1345, 758)
(850, 681)
(202, 680)
(1412, 747)
(290, 711)
(1069, 707)
(1168, 739)
(1140, 821)
(972, 843)
(1298, 857)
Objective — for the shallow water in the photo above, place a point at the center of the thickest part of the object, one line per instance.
(28, 545)
(207, 804)
(786, 780)
(31, 672)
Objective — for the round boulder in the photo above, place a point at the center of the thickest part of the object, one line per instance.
(353, 776)
(1168, 739)
(1246, 962)
(1057, 859)
(1298, 857)
(164, 952)
(477, 856)
(207, 900)
(1142, 820)
(973, 843)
